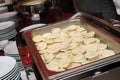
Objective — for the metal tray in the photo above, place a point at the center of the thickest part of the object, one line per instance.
(111, 40)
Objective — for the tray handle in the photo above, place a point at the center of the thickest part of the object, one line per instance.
(76, 16)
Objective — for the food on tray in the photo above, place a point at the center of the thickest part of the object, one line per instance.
(37, 38)
(63, 49)
(89, 34)
(62, 55)
(41, 45)
(101, 46)
(53, 65)
(90, 40)
(79, 49)
(90, 47)
(92, 55)
(47, 36)
(65, 63)
(48, 57)
(106, 53)
(56, 30)
(78, 58)
(74, 65)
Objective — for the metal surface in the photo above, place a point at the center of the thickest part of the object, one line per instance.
(32, 27)
(104, 24)
(112, 41)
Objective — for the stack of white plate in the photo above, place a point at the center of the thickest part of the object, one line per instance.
(12, 51)
(3, 10)
(7, 30)
(3, 43)
(2, 4)
(9, 16)
(9, 69)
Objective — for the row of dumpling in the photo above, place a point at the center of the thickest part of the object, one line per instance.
(62, 49)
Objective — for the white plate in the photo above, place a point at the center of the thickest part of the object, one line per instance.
(6, 26)
(3, 9)
(11, 76)
(7, 15)
(9, 35)
(2, 4)
(11, 48)
(6, 64)
(3, 42)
